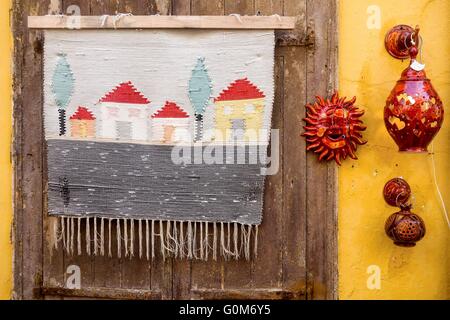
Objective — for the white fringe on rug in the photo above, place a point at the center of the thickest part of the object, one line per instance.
(177, 239)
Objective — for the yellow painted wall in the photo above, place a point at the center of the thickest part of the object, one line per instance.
(5, 162)
(367, 71)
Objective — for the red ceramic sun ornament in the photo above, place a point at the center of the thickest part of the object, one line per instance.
(334, 127)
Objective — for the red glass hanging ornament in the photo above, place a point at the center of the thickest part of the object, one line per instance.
(334, 127)
(403, 227)
(414, 112)
(397, 192)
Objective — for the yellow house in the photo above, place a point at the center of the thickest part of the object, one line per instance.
(82, 123)
(239, 112)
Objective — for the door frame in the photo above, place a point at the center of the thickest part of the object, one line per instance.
(319, 37)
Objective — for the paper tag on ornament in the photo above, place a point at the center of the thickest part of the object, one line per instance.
(415, 65)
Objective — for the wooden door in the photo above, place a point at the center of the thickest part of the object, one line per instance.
(297, 256)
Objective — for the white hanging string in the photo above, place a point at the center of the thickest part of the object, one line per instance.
(237, 16)
(103, 18)
(276, 15)
(433, 163)
(118, 17)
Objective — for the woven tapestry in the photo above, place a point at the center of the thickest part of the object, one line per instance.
(159, 136)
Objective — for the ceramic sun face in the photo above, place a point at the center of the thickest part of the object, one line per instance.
(334, 127)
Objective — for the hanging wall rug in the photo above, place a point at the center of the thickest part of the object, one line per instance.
(156, 140)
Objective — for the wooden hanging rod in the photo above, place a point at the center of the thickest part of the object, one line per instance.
(161, 22)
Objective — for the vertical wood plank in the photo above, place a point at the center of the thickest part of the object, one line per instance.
(85, 262)
(113, 271)
(269, 273)
(207, 8)
(162, 271)
(55, 7)
(269, 7)
(321, 252)
(238, 273)
(69, 7)
(204, 275)
(101, 7)
(145, 7)
(53, 259)
(242, 7)
(267, 266)
(107, 270)
(294, 169)
(181, 7)
(163, 7)
(28, 151)
(181, 275)
(136, 271)
(141, 7)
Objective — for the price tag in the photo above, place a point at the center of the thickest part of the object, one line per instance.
(415, 65)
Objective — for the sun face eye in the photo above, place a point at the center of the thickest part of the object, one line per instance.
(339, 113)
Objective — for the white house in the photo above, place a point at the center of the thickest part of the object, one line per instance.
(170, 124)
(124, 114)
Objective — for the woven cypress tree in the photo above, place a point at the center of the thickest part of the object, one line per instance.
(62, 88)
(200, 89)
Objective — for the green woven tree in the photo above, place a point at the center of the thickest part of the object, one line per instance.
(200, 89)
(62, 88)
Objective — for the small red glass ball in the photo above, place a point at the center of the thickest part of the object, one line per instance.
(413, 51)
(397, 192)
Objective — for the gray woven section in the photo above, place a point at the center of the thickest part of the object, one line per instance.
(124, 180)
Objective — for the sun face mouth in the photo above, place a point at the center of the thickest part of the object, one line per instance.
(335, 138)
(335, 134)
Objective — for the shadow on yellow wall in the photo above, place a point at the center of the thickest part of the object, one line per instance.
(369, 72)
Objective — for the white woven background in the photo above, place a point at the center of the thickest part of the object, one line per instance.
(159, 63)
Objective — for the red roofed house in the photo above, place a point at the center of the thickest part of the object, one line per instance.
(170, 124)
(239, 112)
(124, 113)
(82, 123)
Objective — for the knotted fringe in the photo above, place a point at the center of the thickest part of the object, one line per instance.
(173, 239)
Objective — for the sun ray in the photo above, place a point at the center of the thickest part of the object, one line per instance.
(331, 156)
(351, 153)
(311, 120)
(323, 154)
(312, 146)
(319, 149)
(338, 158)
